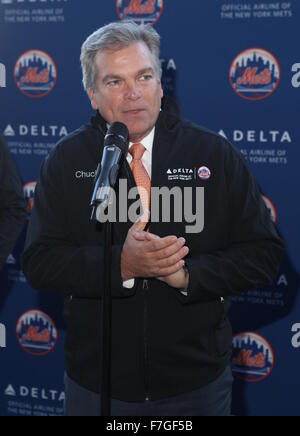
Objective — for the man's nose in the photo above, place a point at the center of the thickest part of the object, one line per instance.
(133, 91)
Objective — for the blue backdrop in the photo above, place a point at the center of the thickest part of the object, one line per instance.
(234, 67)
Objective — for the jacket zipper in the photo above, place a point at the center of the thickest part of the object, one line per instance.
(146, 355)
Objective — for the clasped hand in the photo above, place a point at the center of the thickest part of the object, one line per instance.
(147, 255)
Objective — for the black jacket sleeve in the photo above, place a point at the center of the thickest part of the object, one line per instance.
(52, 261)
(253, 255)
(12, 204)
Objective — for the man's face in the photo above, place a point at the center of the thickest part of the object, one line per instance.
(128, 89)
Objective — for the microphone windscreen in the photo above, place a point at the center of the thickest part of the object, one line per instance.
(118, 135)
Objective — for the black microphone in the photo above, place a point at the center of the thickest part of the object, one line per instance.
(116, 145)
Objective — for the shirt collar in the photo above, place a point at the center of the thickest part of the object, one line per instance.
(147, 141)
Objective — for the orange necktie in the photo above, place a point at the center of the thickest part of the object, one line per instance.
(140, 174)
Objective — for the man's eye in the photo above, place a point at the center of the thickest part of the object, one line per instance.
(113, 83)
(146, 77)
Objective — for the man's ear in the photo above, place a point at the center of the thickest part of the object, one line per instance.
(91, 95)
(161, 91)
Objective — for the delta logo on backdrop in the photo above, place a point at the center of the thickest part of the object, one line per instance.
(140, 11)
(33, 139)
(254, 74)
(252, 358)
(35, 73)
(36, 333)
(25, 400)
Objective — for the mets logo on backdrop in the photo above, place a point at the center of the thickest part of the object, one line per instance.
(254, 74)
(253, 357)
(36, 333)
(35, 73)
(29, 190)
(140, 11)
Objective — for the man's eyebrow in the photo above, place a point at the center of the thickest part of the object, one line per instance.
(145, 70)
(111, 77)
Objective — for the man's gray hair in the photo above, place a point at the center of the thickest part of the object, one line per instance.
(116, 36)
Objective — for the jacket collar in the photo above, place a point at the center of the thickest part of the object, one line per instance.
(99, 122)
(165, 120)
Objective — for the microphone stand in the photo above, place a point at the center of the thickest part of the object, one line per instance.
(106, 324)
(106, 312)
(102, 198)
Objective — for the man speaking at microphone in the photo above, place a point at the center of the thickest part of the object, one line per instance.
(171, 290)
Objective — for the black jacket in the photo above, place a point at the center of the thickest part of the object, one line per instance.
(12, 204)
(163, 343)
